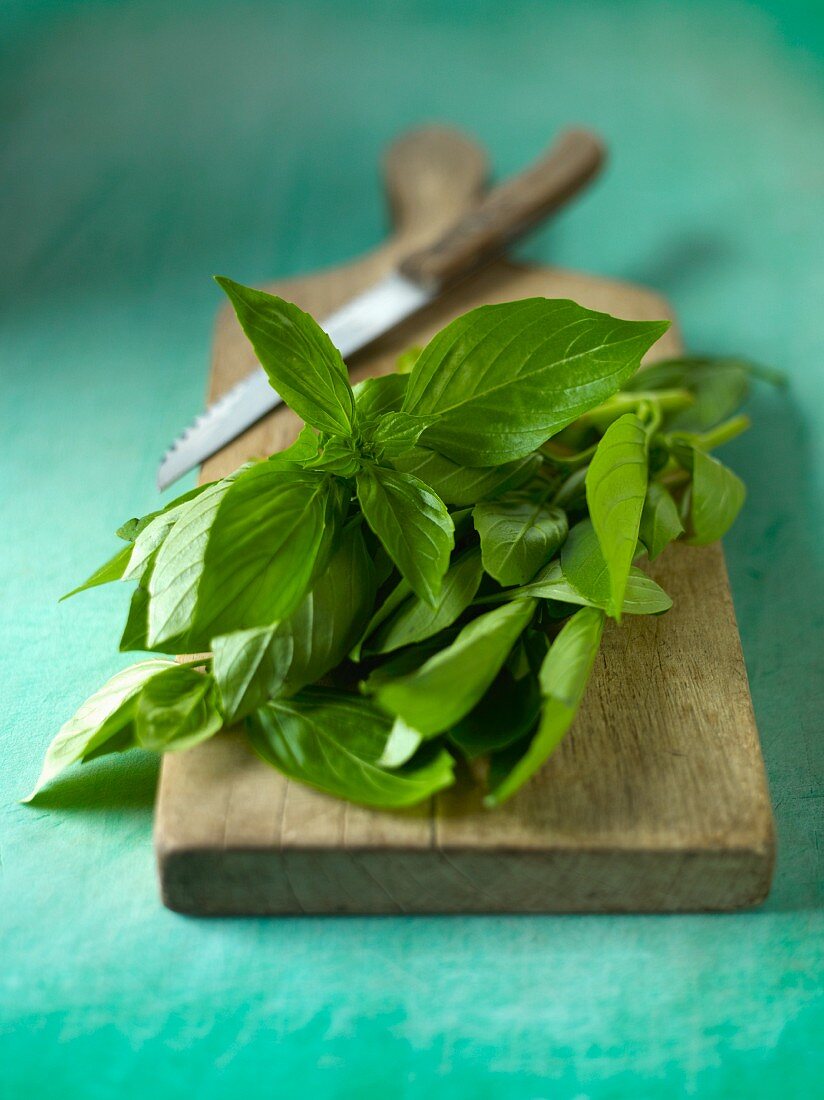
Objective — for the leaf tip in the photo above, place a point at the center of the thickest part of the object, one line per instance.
(227, 285)
(42, 780)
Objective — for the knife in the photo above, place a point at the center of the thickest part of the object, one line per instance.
(505, 214)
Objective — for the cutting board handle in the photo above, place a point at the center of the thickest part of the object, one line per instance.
(509, 211)
(433, 177)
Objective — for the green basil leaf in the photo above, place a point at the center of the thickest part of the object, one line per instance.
(518, 536)
(506, 713)
(393, 433)
(250, 667)
(298, 454)
(448, 685)
(246, 562)
(660, 522)
(327, 623)
(136, 631)
(642, 597)
(144, 555)
(584, 566)
(399, 594)
(337, 455)
(301, 361)
(104, 723)
(412, 524)
(616, 485)
(563, 679)
(502, 379)
(132, 527)
(199, 513)
(716, 497)
(256, 665)
(465, 485)
(335, 742)
(416, 619)
(113, 570)
(720, 387)
(177, 709)
(376, 396)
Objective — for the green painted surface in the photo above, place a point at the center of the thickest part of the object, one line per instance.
(145, 145)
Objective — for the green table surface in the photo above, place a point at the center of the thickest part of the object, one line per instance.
(146, 145)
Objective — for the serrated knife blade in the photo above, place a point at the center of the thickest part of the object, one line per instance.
(352, 327)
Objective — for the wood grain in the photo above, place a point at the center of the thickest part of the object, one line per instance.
(656, 801)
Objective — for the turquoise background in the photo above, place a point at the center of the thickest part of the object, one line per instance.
(145, 145)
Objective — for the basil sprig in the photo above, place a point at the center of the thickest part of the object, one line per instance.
(427, 571)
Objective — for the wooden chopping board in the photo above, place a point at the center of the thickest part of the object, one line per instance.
(657, 799)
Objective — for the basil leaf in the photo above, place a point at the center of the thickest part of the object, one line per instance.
(113, 570)
(660, 522)
(399, 594)
(464, 485)
(720, 387)
(250, 667)
(616, 485)
(335, 742)
(584, 566)
(412, 524)
(104, 723)
(255, 665)
(130, 563)
(716, 497)
(376, 396)
(246, 561)
(506, 713)
(337, 455)
(643, 596)
(331, 617)
(417, 620)
(301, 361)
(200, 511)
(132, 527)
(448, 685)
(145, 550)
(563, 679)
(529, 368)
(518, 536)
(298, 454)
(393, 433)
(177, 709)
(136, 631)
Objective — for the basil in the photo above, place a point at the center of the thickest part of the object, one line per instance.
(447, 686)
(616, 486)
(336, 742)
(412, 524)
(563, 679)
(422, 574)
(301, 361)
(416, 620)
(518, 535)
(660, 522)
(503, 379)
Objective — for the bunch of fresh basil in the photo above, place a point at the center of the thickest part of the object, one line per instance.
(425, 573)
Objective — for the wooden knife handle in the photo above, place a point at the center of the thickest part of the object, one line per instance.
(508, 211)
